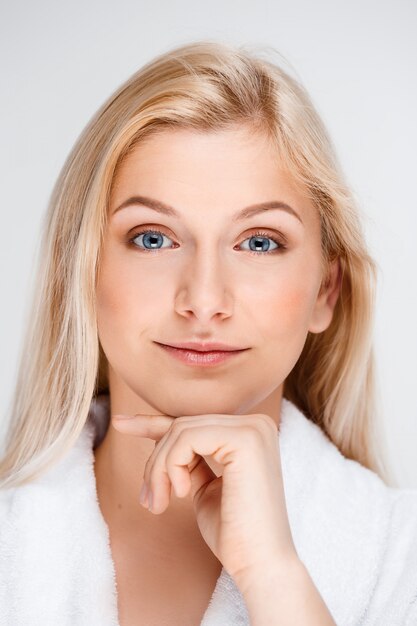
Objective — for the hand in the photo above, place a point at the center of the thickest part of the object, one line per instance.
(241, 514)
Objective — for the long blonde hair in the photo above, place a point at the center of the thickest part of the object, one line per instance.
(205, 86)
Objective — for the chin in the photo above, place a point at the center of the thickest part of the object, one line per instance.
(192, 406)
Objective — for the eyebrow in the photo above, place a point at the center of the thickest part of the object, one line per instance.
(165, 209)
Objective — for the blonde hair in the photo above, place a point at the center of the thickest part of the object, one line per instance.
(204, 86)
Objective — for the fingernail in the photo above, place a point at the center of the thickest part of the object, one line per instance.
(150, 500)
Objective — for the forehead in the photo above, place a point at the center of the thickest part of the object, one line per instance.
(234, 167)
(199, 153)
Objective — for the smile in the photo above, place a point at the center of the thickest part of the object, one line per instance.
(201, 359)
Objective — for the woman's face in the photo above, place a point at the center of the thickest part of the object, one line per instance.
(209, 276)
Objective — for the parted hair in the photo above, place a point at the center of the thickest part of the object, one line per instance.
(205, 86)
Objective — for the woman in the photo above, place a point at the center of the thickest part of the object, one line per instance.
(201, 334)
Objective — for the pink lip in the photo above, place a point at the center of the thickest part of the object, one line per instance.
(205, 359)
(204, 347)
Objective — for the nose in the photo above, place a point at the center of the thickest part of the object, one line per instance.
(203, 290)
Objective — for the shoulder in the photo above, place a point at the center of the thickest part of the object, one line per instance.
(394, 597)
(7, 499)
(357, 536)
(55, 559)
(54, 491)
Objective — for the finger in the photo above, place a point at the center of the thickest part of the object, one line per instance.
(148, 426)
(210, 445)
(160, 475)
(198, 475)
(180, 458)
(180, 481)
(157, 451)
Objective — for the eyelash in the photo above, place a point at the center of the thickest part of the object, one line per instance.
(258, 233)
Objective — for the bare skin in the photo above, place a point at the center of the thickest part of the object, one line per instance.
(202, 284)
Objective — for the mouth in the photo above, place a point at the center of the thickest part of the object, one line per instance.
(206, 358)
(197, 346)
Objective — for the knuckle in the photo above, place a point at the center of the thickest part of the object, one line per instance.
(267, 423)
(179, 424)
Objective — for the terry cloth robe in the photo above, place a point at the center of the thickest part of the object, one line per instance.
(356, 536)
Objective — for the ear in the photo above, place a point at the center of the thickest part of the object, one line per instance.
(322, 313)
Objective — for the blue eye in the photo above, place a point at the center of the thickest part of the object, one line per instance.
(153, 238)
(258, 237)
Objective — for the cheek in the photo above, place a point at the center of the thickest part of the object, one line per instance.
(282, 303)
(128, 300)
(281, 320)
(291, 307)
(124, 285)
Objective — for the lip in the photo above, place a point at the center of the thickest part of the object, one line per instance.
(203, 347)
(207, 358)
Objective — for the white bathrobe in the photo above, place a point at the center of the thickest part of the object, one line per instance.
(356, 536)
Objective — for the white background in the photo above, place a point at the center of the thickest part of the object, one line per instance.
(60, 61)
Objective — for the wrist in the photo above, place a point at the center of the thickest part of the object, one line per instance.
(284, 593)
(283, 571)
